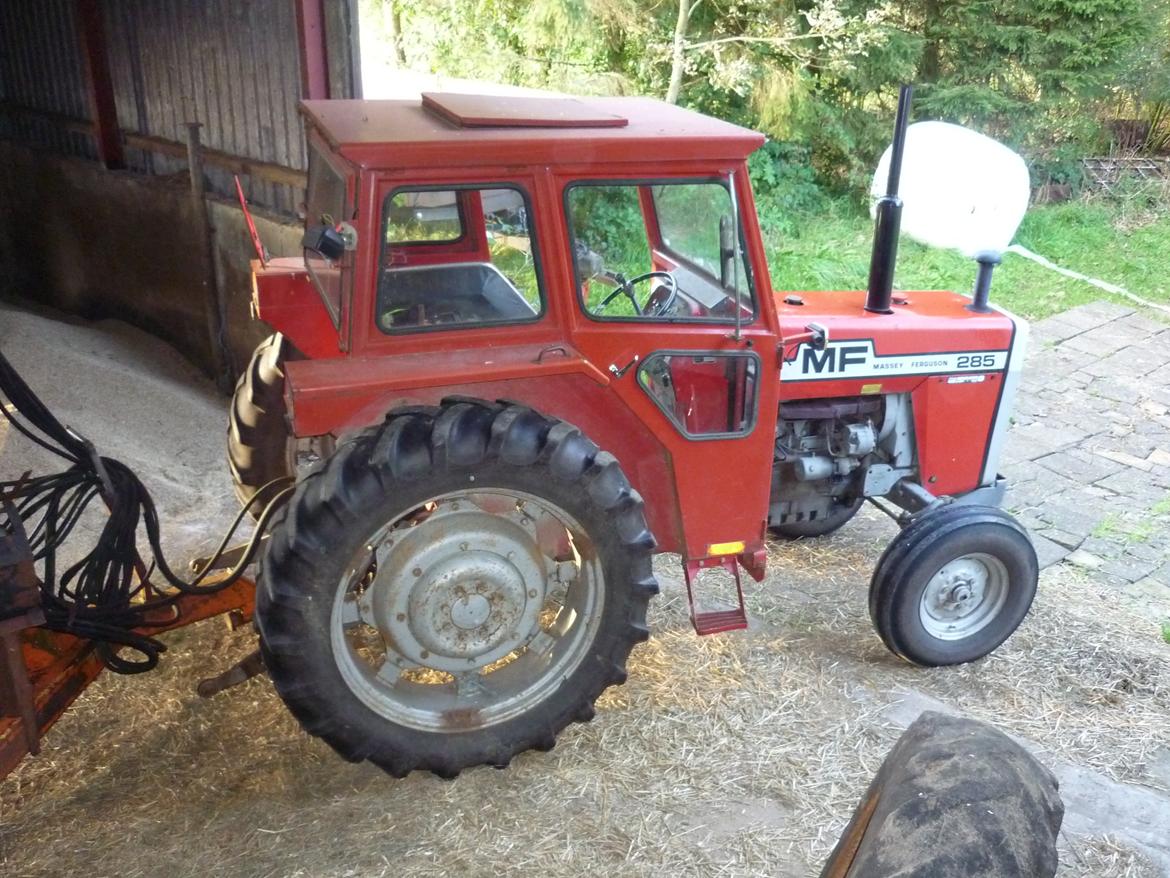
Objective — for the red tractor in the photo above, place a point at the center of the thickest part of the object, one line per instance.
(531, 343)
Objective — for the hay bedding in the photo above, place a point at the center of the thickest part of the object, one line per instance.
(739, 754)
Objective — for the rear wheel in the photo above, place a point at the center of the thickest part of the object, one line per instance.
(953, 585)
(454, 587)
(260, 444)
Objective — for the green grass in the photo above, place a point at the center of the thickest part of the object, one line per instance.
(1110, 242)
(1133, 531)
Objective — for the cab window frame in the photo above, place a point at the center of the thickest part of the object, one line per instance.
(751, 407)
(635, 183)
(385, 249)
(330, 162)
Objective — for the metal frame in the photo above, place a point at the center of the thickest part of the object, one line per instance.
(55, 668)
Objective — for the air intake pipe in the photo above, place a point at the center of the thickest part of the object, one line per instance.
(889, 218)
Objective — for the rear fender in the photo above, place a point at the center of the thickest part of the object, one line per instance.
(283, 296)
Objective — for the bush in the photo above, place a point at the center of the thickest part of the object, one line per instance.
(785, 186)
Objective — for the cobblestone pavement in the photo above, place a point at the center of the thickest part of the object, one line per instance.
(1088, 455)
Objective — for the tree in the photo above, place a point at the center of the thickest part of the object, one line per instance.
(1004, 65)
(678, 48)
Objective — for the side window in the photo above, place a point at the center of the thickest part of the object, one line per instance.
(609, 242)
(683, 219)
(456, 258)
(658, 250)
(325, 204)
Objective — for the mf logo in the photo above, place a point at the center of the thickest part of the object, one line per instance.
(833, 358)
(854, 358)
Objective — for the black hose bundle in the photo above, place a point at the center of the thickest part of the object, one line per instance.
(103, 596)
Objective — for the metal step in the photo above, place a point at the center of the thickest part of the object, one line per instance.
(715, 621)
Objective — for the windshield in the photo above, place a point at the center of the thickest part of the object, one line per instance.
(658, 250)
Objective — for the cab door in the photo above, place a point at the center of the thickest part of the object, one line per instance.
(674, 304)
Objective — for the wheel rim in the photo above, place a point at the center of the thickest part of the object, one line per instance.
(964, 596)
(467, 611)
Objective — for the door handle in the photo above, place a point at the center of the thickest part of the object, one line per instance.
(618, 372)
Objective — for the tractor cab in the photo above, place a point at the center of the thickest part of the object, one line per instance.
(544, 250)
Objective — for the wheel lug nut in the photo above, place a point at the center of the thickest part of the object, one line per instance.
(401, 617)
(463, 546)
(417, 571)
(532, 592)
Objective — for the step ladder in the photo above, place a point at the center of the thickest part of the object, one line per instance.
(715, 621)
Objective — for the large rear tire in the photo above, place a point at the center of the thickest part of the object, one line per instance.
(953, 585)
(454, 587)
(260, 446)
(955, 798)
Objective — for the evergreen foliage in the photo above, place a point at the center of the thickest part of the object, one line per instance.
(1046, 76)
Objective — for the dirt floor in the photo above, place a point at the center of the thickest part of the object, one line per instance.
(738, 754)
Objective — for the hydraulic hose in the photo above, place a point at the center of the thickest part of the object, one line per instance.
(101, 597)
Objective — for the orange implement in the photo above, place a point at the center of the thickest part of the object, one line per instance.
(53, 668)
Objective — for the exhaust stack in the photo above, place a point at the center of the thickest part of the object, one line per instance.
(889, 218)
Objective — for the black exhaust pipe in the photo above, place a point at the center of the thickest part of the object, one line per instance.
(889, 218)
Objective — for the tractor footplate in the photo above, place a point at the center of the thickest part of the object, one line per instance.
(715, 621)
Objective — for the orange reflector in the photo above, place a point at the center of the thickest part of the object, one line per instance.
(733, 548)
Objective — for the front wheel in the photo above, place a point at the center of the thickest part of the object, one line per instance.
(453, 587)
(953, 585)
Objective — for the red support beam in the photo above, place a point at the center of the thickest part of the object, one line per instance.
(313, 48)
(102, 106)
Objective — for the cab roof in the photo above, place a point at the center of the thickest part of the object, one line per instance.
(452, 129)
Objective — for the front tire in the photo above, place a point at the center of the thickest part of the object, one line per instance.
(953, 585)
(454, 587)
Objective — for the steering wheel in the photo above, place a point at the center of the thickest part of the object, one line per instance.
(626, 288)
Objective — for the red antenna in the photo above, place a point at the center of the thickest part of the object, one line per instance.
(261, 252)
